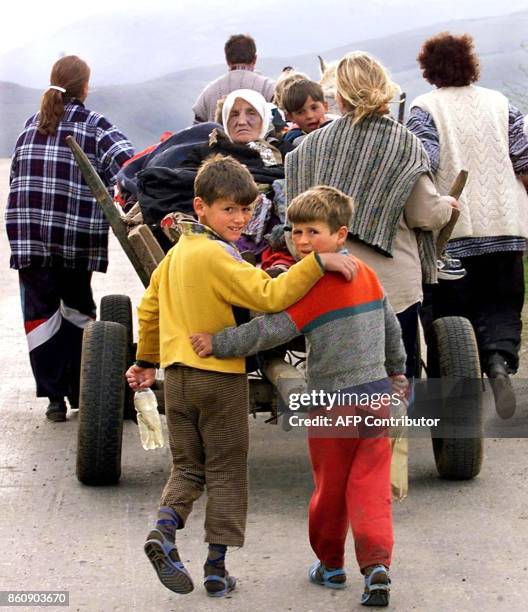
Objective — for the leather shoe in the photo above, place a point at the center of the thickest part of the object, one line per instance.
(56, 411)
(505, 402)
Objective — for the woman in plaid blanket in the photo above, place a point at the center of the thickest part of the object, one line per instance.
(57, 233)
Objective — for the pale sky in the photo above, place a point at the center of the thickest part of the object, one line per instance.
(24, 21)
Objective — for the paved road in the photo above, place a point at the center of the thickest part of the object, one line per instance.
(459, 546)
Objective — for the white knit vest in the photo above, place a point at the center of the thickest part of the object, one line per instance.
(472, 125)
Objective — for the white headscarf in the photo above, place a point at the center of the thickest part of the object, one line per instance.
(256, 100)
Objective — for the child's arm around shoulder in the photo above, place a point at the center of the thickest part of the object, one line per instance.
(259, 334)
(241, 284)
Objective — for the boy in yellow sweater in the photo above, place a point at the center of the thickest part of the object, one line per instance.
(203, 283)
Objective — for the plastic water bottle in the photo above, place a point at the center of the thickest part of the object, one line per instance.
(149, 422)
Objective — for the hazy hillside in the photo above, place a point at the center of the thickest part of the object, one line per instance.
(143, 111)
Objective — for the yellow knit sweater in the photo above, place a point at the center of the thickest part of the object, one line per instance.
(193, 290)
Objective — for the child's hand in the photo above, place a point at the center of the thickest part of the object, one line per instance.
(400, 385)
(202, 344)
(140, 378)
(337, 262)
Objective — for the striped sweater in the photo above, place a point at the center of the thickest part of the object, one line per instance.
(377, 162)
(352, 334)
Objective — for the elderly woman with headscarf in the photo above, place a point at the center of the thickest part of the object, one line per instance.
(165, 184)
(246, 121)
(383, 166)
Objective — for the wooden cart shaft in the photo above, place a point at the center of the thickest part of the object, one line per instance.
(108, 207)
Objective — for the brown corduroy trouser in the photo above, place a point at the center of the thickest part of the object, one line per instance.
(207, 418)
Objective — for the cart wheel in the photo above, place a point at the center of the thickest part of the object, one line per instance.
(118, 308)
(103, 364)
(456, 357)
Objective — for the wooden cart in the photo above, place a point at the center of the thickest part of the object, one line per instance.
(108, 350)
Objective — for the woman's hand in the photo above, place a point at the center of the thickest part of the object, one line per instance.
(140, 378)
(337, 262)
(454, 203)
(202, 344)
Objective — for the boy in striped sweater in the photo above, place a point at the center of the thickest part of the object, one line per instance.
(353, 343)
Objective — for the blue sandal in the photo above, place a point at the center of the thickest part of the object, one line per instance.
(318, 574)
(377, 594)
(172, 573)
(228, 582)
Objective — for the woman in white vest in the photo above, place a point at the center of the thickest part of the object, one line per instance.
(465, 126)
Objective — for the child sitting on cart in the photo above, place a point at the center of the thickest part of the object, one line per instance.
(203, 283)
(353, 343)
(305, 105)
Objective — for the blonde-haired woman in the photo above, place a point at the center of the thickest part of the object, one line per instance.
(363, 86)
(383, 166)
(57, 233)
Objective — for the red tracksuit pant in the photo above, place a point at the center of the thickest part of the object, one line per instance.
(352, 487)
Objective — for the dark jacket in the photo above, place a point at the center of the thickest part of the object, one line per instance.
(161, 190)
(171, 153)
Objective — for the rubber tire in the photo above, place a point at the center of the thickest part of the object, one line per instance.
(456, 356)
(118, 308)
(100, 434)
